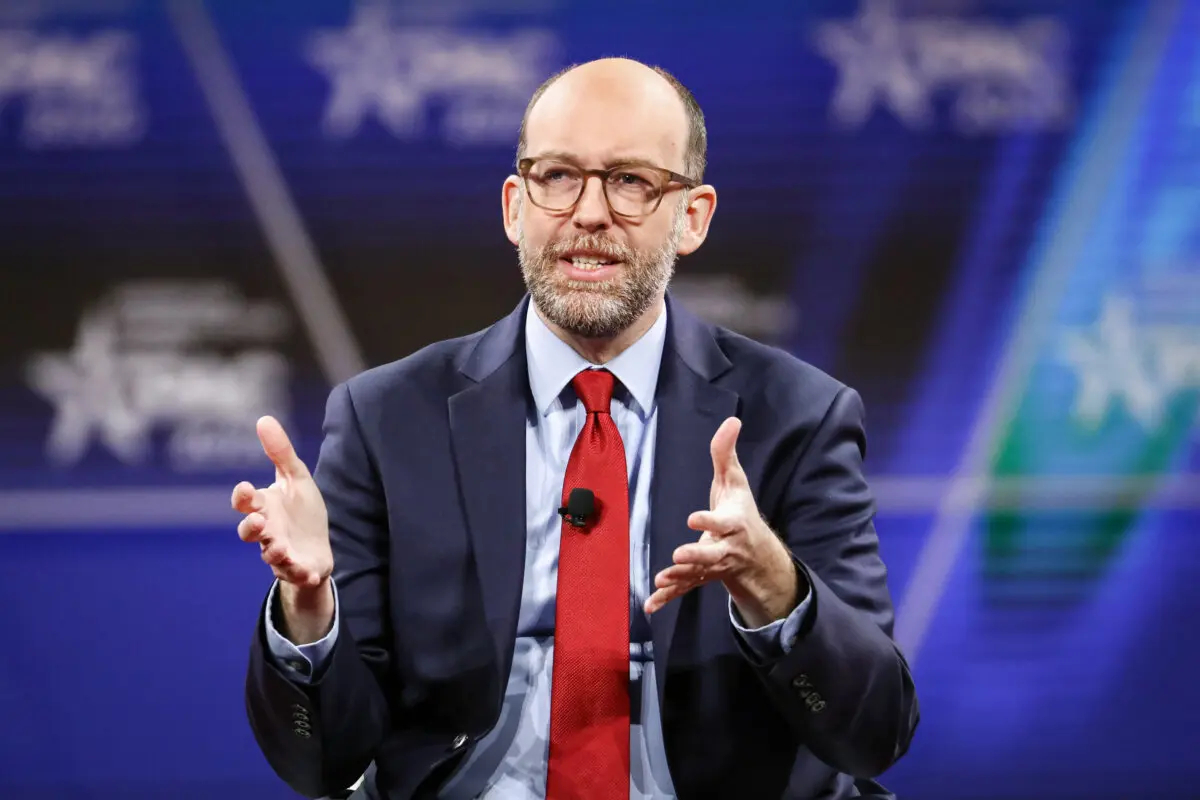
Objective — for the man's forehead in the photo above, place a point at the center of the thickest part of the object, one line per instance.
(589, 146)
(592, 140)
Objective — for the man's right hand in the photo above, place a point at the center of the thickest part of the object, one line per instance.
(289, 521)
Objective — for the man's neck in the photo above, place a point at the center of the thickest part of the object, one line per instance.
(604, 349)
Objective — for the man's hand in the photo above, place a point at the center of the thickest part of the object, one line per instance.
(736, 546)
(289, 521)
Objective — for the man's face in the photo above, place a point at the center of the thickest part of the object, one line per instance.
(595, 283)
(590, 271)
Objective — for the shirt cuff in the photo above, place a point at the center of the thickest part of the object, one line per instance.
(304, 661)
(775, 639)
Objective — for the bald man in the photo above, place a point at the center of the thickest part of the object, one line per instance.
(600, 549)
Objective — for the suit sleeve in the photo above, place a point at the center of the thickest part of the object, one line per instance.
(320, 736)
(775, 638)
(302, 662)
(842, 683)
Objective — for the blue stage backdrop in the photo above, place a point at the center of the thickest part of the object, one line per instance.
(983, 214)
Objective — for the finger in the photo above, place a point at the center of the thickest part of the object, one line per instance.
(278, 447)
(251, 527)
(247, 499)
(276, 554)
(297, 575)
(707, 555)
(665, 595)
(677, 573)
(726, 466)
(719, 522)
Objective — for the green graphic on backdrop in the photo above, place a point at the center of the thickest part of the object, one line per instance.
(1112, 399)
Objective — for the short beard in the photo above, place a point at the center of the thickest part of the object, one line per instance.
(600, 310)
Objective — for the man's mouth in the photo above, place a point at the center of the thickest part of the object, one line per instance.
(589, 262)
(588, 266)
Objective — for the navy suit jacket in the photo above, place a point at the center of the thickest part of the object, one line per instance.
(422, 470)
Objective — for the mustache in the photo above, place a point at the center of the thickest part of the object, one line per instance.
(600, 244)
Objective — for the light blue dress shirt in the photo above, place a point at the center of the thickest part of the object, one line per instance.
(510, 762)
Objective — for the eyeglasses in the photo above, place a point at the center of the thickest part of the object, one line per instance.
(631, 190)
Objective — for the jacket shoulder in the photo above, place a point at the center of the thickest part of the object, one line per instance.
(767, 374)
(431, 373)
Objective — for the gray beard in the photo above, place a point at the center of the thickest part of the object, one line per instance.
(603, 309)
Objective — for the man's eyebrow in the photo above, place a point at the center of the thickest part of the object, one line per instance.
(624, 161)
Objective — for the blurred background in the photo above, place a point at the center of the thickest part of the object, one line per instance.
(984, 215)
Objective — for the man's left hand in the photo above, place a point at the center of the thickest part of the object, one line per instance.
(736, 547)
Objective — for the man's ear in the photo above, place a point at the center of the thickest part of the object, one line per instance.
(511, 199)
(702, 204)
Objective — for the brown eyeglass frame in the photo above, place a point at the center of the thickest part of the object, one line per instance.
(526, 164)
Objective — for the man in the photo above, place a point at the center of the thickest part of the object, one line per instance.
(600, 549)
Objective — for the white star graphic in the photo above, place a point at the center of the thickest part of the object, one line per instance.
(1113, 364)
(874, 64)
(90, 395)
(364, 65)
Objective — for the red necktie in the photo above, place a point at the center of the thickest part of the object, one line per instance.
(589, 695)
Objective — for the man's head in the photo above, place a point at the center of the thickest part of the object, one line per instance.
(597, 254)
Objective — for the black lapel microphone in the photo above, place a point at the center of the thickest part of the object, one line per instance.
(580, 507)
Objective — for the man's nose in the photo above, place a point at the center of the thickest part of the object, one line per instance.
(592, 212)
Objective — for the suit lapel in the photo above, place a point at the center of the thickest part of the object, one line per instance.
(487, 427)
(690, 409)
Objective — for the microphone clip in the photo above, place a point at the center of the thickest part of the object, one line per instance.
(579, 509)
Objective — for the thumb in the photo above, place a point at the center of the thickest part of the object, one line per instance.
(278, 448)
(726, 467)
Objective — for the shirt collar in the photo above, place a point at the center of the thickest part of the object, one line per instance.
(552, 363)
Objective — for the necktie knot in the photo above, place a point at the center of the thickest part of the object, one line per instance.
(594, 388)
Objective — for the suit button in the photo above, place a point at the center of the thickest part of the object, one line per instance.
(459, 741)
(301, 722)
